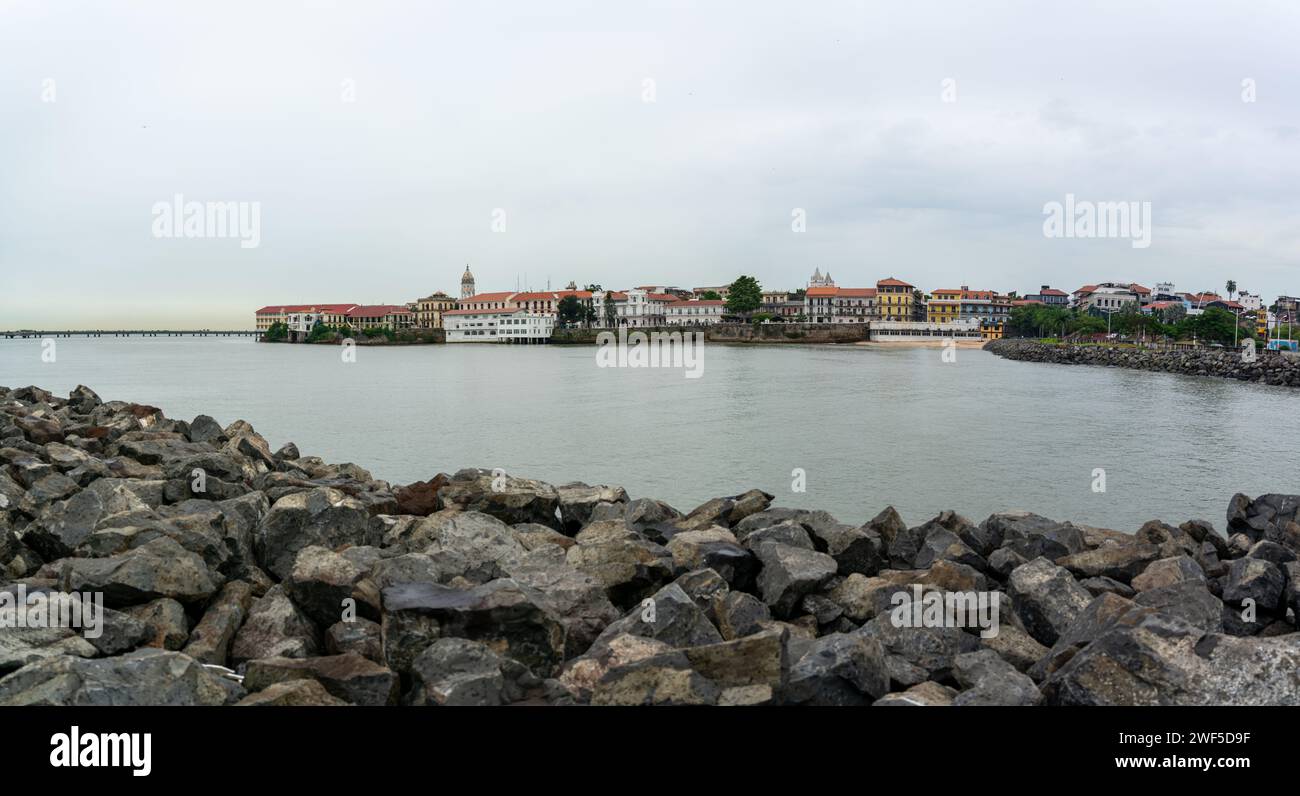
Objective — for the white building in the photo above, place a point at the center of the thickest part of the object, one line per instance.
(696, 312)
(497, 326)
(1107, 299)
(920, 332)
(633, 308)
(1251, 301)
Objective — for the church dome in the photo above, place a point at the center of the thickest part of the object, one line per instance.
(467, 276)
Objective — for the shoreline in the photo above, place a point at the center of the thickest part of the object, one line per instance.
(1269, 367)
(234, 574)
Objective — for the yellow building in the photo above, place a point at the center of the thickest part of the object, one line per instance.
(992, 330)
(894, 300)
(429, 310)
(943, 306)
(1261, 325)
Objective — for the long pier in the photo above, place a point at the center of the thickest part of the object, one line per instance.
(131, 333)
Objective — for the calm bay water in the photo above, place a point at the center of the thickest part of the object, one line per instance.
(869, 427)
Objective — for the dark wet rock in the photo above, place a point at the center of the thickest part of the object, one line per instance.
(142, 677)
(292, 693)
(513, 619)
(211, 638)
(789, 573)
(1047, 598)
(326, 586)
(714, 548)
(1188, 600)
(578, 501)
(1121, 562)
(159, 568)
(627, 565)
(739, 614)
(1255, 579)
(323, 517)
(459, 672)
(275, 627)
(989, 680)
(929, 650)
(361, 636)
(348, 677)
(839, 669)
(1147, 658)
(509, 499)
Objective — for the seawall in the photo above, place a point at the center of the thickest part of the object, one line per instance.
(805, 333)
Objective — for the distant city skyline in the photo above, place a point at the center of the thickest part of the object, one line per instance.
(384, 146)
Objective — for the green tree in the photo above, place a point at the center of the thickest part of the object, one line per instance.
(611, 312)
(588, 315)
(744, 296)
(276, 332)
(1232, 288)
(710, 295)
(570, 311)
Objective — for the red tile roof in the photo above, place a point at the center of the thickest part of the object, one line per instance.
(1136, 288)
(483, 298)
(661, 297)
(510, 311)
(1051, 291)
(276, 309)
(822, 292)
(892, 282)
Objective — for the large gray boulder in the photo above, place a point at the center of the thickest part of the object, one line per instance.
(324, 517)
(143, 677)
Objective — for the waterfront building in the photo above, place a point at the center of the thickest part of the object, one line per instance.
(429, 310)
(466, 284)
(280, 313)
(1105, 298)
(840, 304)
(895, 301)
(1050, 296)
(1251, 301)
(486, 301)
(694, 312)
(392, 316)
(501, 325)
(721, 290)
(912, 331)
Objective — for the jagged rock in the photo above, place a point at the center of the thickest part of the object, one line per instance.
(1271, 551)
(275, 628)
(1003, 560)
(788, 573)
(670, 616)
(578, 501)
(1255, 579)
(142, 677)
(455, 671)
(349, 677)
(1104, 585)
(421, 497)
(513, 619)
(759, 659)
(855, 550)
(1099, 614)
(1189, 600)
(361, 636)
(205, 429)
(1168, 571)
(1014, 646)
(165, 621)
(628, 566)
(288, 452)
(211, 638)
(789, 532)
(901, 543)
(714, 548)
(324, 517)
(941, 544)
(839, 669)
(1146, 658)
(83, 400)
(1046, 598)
(509, 499)
(39, 430)
(739, 614)
(1121, 562)
(576, 597)
(665, 679)
(649, 516)
(930, 650)
(159, 568)
(581, 674)
(927, 694)
(1272, 517)
(292, 693)
(323, 582)
(989, 680)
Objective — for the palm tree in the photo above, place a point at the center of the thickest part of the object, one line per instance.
(1232, 288)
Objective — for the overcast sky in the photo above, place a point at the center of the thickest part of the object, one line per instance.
(540, 109)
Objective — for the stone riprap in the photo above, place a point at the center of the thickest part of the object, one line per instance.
(1268, 367)
(232, 573)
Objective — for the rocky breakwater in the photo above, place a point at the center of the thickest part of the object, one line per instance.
(232, 573)
(1269, 367)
